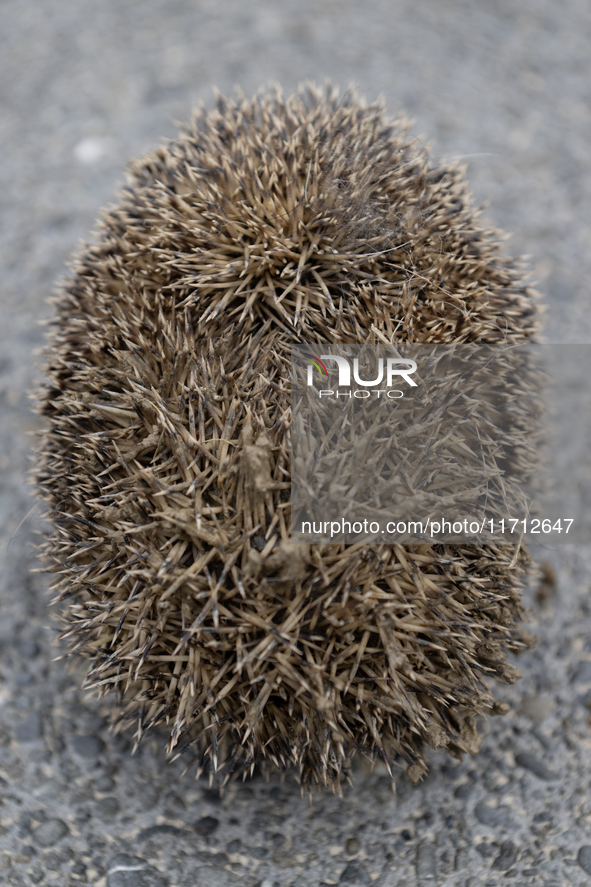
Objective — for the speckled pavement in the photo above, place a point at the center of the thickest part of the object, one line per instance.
(86, 85)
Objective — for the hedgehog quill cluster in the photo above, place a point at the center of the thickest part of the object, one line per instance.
(166, 456)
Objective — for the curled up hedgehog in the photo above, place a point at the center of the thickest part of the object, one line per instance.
(166, 456)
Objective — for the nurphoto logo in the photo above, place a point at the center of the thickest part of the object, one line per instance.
(396, 367)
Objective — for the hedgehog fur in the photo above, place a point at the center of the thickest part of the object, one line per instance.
(165, 459)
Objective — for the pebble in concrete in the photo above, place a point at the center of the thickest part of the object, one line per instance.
(352, 846)
(535, 766)
(31, 729)
(493, 816)
(37, 873)
(426, 862)
(27, 648)
(125, 861)
(206, 825)
(155, 830)
(537, 708)
(460, 860)
(220, 858)
(50, 832)
(355, 873)
(130, 871)
(582, 673)
(104, 784)
(506, 857)
(584, 858)
(215, 877)
(87, 746)
(107, 808)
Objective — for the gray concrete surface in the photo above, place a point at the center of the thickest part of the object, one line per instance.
(84, 86)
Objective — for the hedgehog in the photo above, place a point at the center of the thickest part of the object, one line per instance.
(165, 455)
